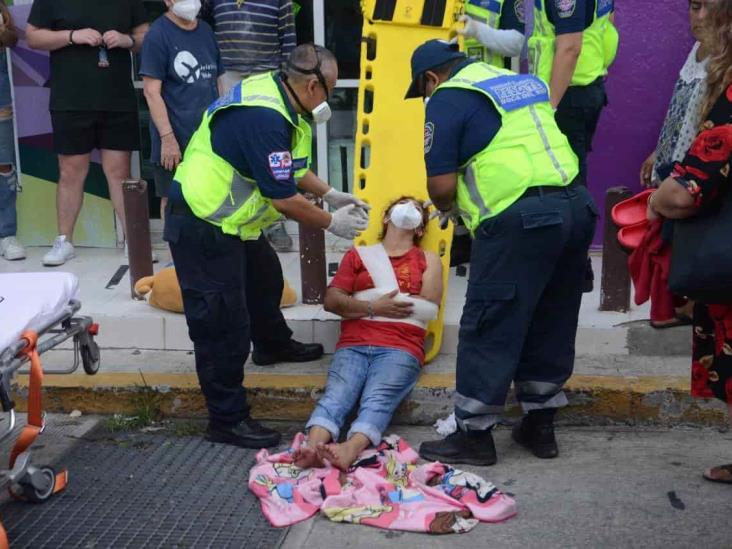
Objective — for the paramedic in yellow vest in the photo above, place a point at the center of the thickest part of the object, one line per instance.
(494, 30)
(240, 173)
(572, 45)
(495, 157)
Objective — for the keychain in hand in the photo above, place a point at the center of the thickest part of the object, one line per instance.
(103, 58)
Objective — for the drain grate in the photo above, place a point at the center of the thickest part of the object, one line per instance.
(147, 491)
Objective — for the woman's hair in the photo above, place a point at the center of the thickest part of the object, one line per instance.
(7, 19)
(425, 217)
(719, 70)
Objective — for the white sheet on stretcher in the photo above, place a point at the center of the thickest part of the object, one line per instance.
(28, 301)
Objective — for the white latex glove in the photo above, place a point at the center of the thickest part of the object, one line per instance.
(338, 199)
(348, 222)
(507, 43)
(444, 217)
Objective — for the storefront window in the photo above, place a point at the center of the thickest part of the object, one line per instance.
(343, 23)
(341, 137)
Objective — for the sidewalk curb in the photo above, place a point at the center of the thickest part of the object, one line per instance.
(593, 399)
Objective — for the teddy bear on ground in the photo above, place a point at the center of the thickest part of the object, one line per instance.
(163, 291)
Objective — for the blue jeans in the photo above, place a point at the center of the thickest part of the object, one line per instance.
(380, 376)
(8, 196)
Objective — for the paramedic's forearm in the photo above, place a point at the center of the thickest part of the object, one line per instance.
(441, 189)
(302, 210)
(568, 49)
(505, 42)
(46, 40)
(311, 183)
(340, 303)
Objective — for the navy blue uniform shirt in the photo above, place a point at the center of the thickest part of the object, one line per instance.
(459, 124)
(257, 142)
(512, 16)
(570, 16)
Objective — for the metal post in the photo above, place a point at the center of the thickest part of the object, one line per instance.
(312, 261)
(615, 288)
(137, 228)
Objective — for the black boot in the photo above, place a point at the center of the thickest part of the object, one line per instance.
(589, 282)
(246, 434)
(469, 447)
(536, 432)
(292, 351)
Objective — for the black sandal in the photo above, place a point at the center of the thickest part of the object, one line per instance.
(681, 320)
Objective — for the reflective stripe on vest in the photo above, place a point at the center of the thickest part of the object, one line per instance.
(213, 189)
(489, 13)
(599, 44)
(528, 150)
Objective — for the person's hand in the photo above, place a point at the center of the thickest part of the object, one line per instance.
(169, 152)
(646, 171)
(444, 217)
(470, 30)
(389, 307)
(348, 222)
(87, 37)
(338, 199)
(113, 39)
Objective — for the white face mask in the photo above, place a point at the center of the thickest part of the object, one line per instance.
(406, 216)
(322, 113)
(187, 9)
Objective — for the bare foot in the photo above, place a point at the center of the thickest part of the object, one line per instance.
(341, 456)
(307, 458)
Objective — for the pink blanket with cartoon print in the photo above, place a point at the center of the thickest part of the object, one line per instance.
(384, 488)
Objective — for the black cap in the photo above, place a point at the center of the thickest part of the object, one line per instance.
(430, 55)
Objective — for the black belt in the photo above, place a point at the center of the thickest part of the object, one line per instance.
(546, 189)
(180, 207)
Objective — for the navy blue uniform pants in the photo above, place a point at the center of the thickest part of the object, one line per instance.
(577, 116)
(519, 323)
(231, 295)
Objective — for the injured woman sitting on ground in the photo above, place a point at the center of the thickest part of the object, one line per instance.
(386, 295)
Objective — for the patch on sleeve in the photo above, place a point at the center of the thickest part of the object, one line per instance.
(429, 134)
(280, 164)
(512, 92)
(604, 7)
(565, 8)
(518, 9)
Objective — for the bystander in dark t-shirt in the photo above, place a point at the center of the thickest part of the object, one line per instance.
(188, 63)
(459, 123)
(77, 82)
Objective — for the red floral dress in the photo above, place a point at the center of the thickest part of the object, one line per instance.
(705, 172)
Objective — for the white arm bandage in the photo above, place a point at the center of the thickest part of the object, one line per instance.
(507, 43)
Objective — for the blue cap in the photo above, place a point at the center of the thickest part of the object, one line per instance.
(430, 55)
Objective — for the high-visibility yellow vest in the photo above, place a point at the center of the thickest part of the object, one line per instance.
(488, 12)
(214, 190)
(599, 44)
(528, 151)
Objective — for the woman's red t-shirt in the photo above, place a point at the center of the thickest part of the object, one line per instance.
(353, 277)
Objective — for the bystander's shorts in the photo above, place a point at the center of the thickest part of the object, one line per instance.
(80, 132)
(163, 180)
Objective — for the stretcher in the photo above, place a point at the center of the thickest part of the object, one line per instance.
(389, 129)
(38, 311)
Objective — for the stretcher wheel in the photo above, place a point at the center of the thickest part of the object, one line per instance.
(90, 357)
(42, 489)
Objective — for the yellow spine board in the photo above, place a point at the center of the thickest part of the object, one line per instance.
(390, 130)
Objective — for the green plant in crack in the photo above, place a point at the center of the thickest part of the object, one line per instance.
(147, 404)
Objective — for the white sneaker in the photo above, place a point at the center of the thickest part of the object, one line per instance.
(61, 252)
(154, 255)
(11, 249)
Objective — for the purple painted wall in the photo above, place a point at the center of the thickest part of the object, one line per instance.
(654, 43)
